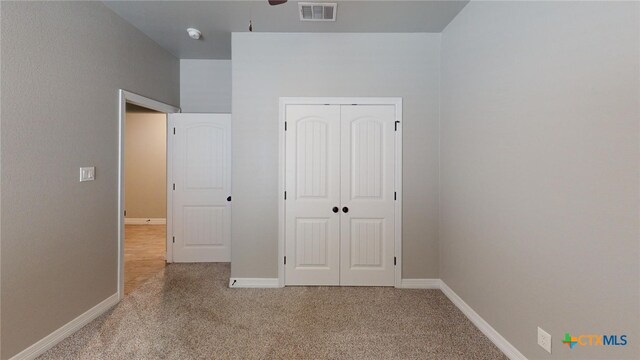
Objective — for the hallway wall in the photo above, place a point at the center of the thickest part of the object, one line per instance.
(205, 86)
(145, 164)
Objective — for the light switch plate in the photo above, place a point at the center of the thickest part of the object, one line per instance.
(87, 173)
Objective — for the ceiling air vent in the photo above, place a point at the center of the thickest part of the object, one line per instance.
(317, 11)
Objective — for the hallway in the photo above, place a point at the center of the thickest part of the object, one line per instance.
(144, 254)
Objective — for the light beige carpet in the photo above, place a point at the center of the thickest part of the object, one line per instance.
(188, 312)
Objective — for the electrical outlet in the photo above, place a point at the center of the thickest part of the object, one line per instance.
(544, 340)
(87, 173)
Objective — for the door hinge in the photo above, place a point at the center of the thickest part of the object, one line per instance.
(174, 239)
(394, 261)
(285, 195)
(285, 126)
(285, 260)
(174, 186)
(395, 195)
(174, 131)
(396, 125)
(125, 213)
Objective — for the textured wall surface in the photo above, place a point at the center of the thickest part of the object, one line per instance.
(205, 86)
(539, 170)
(62, 66)
(267, 66)
(146, 164)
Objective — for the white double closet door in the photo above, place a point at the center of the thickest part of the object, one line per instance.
(339, 207)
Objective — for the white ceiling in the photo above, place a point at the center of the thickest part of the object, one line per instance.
(166, 21)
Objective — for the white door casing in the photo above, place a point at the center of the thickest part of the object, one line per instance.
(312, 172)
(125, 97)
(367, 192)
(201, 170)
(368, 176)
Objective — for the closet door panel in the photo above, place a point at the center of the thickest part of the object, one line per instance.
(312, 178)
(367, 195)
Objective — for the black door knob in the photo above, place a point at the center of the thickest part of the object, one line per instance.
(345, 209)
(335, 209)
(228, 198)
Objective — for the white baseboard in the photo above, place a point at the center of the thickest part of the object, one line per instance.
(254, 283)
(498, 340)
(420, 284)
(145, 221)
(69, 328)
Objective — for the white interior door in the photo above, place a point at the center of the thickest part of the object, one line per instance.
(201, 184)
(312, 228)
(340, 195)
(367, 223)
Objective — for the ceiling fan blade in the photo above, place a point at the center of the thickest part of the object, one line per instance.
(277, 2)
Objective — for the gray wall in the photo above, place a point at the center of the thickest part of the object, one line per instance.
(62, 66)
(539, 170)
(205, 86)
(267, 66)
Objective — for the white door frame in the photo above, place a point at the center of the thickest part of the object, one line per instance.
(284, 101)
(125, 97)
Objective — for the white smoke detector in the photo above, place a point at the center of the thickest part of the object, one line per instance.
(317, 11)
(194, 33)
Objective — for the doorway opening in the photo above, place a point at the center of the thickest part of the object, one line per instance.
(143, 213)
(145, 246)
